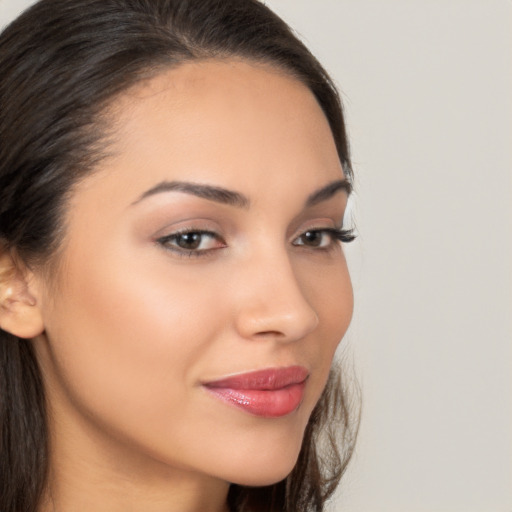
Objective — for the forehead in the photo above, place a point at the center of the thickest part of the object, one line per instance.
(234, 124)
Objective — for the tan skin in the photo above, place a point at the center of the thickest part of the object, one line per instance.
(132, 324)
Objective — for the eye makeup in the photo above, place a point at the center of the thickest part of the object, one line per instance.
(193, 242)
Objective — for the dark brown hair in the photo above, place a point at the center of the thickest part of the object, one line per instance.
(61, 64)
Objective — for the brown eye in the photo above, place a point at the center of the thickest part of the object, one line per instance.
(315, 238)
(189, 241)
(192, 242)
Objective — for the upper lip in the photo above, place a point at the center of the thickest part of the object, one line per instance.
(266, 379)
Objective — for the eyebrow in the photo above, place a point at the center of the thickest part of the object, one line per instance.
(210, 192)
(236, 199)
(329, 191)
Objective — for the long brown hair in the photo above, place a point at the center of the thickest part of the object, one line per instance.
(62, 63)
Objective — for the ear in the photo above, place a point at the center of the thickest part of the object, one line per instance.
(20, 313)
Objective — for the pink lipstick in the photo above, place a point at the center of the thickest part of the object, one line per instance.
(269, 393)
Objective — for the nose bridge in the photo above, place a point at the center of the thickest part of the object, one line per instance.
(273, 302)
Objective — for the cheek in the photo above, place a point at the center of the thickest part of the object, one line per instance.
(125, 337)
(328, 289)
(338, 305)
(131, 334)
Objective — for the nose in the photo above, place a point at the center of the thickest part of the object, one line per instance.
(272, 303)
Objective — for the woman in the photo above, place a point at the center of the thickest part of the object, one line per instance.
(173, 181)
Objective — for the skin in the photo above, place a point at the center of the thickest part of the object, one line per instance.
(132, 327)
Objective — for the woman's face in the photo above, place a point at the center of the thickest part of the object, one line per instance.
(201, 249)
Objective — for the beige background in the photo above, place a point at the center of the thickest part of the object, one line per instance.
(427, 86)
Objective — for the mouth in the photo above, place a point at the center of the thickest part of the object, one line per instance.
(269, 393)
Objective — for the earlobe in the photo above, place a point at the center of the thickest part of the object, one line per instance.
(20, 313)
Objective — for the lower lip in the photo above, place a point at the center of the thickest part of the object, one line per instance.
(266, 403)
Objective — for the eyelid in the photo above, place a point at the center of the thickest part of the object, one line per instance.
(185, 224)
(169, 238)
(164, 241)
(328, 219)
(319, 223)
(338, 234)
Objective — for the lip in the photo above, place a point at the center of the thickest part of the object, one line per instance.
(269, 393)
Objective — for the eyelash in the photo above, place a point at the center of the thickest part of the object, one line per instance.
(165, 241)
(341, 235)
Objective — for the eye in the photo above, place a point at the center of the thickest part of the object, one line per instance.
(323, 238)
(315, 238)
(192, 243)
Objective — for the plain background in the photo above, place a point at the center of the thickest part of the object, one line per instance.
(427, 87)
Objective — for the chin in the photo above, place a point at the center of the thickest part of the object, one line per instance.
(266, 470)
(266, 478)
